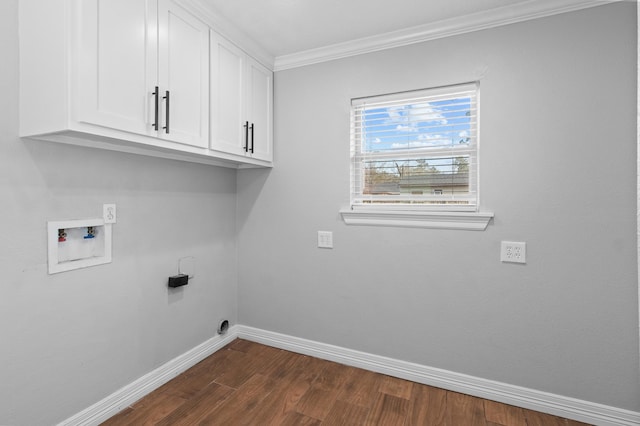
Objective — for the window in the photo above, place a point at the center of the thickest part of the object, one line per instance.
(416, 151)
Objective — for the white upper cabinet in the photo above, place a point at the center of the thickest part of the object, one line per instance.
(259, 110)
(117, 64)
(133, 76)
(143, 68)
(241, 102)
(227, 96)
(183, 75)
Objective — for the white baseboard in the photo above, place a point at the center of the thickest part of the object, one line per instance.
(558, 405)
(545, 402)
(122, 398)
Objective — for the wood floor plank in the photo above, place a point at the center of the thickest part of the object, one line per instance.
(361, 388)
(240, 403)
(318, 399)
(344, 413)
(314, 367)
(277, 405)
(288, 361)
(269, 360)
(199, 407)
(575, 423)
(242, 345)
(535, 418)
(429, 406)
(396, 387)
(298, 367)
(504, 414)
(209, 362)
(148, 411)
(465, 410)
(286, 394)
(214, 366)
(316, 402)
(242, 369)
(333, 376)
(253, 359)
(185, 386)
(297, 419)
(388, 410)
(210, 369)
(292, 377)
(118, 419)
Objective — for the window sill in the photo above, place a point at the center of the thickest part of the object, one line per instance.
(472, 221)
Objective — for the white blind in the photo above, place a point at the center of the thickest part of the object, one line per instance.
(417, 149)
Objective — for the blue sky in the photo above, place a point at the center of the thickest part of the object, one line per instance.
(417, 126)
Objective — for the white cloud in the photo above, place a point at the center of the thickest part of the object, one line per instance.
(406, 128)
(415, 144)
(426, 112)
(428, 136)
(395, 113)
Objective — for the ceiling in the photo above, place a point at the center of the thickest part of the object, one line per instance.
(287, 27)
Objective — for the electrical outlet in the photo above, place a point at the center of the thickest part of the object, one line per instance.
(514, 252)
(109, 213)
(325, 239)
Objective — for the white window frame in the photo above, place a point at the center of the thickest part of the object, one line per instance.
(447, 216)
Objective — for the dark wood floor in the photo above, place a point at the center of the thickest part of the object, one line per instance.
(251, 384)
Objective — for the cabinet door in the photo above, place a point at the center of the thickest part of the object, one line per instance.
(116, 63)
(259, 106)
(229, 133)
(183, 71)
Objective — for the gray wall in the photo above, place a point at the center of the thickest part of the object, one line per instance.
(558, 169)
(68, 340)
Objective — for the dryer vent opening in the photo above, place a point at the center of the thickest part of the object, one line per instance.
(223, 327)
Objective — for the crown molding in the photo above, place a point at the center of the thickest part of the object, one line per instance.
(524, 11)
(229, 31)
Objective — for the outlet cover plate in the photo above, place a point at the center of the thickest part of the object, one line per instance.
(513, 252)
(325, 239)
(109, 213)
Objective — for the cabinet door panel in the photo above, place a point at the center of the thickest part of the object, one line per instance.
(259, 103)
(115, 68)
(227, 95)
(184, 72)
